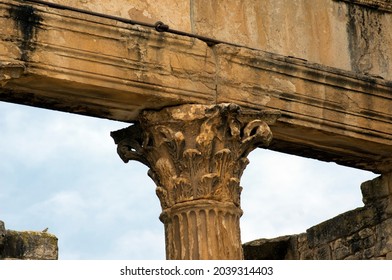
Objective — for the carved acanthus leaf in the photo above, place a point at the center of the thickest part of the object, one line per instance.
(196, 151)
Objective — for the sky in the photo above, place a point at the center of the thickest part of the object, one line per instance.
(62, 171)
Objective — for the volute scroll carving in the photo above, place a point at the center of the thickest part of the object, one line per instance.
(130, 144)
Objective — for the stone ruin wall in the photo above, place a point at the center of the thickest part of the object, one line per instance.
(364, 233)
(27, 245)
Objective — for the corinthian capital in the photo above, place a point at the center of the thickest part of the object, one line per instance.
(196, 151)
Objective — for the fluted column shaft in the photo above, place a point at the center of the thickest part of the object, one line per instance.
(202, 229)
(196, 155)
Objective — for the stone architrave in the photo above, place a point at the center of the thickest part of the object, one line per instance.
(196, 155)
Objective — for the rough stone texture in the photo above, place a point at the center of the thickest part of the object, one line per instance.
(196, 155)
(278, 248)
(173, 13)
(368, 52)
(322, 110)
(324, 31)
(75, 62)
(27, 245)
(2, 238)
(363, 233)
(382, 5)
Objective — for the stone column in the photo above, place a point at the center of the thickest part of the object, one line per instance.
(196, 155)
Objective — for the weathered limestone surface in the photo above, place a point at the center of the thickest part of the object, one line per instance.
(85, 64)
(174, 13)
(196, 155)
(333, 33)
(347, 34)
(27, 245)
(381, 5)
(363, 233)
(327, 114)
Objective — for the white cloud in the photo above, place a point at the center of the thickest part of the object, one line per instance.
(135, 243)
(70, 205)
(286, 194)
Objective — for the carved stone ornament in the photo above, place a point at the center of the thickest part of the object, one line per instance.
(195, 151)
(196, 155)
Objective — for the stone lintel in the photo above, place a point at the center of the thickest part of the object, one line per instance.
(99, 67)
(327, 113)
(89, 65)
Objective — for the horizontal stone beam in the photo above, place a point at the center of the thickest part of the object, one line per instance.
(327, 113)
(84, 64)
